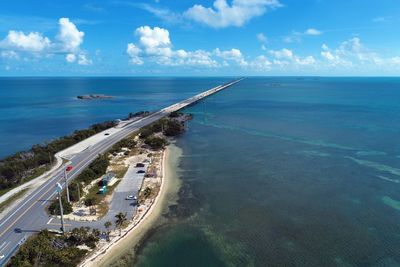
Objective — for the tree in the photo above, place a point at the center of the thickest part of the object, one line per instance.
(120, 220)
(54, 207)
(147, 192)
(155, 142)
(174, 128)
(91, 201)
(73, 192)
(107, 225)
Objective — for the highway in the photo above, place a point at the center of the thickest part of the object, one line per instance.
(30, 216)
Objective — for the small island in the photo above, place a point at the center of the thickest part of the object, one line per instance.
(93, 97)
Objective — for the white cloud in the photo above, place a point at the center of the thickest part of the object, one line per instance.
(31, 42)
(162, 13)
(287, 57)
(395, 60)
(294, 37)
(231, 55)
(354, 51)
(283, 53)
(312, 31)
(9, 54)
(261, 63)
(133, 52)
(67, 42)
(83, 60)
(309, 60)
(223, 14)
(155, 41)
(70, 58)
(353, 54)
(262, 38)
(155, 44)
(69, 36)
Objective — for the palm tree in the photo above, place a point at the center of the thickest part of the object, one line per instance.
(120, 220)
(107, 225)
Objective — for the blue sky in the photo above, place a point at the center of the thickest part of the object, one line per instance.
(221, 37)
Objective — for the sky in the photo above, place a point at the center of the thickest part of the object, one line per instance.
(199, 38)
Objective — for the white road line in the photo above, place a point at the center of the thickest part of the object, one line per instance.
(4, 246)
(34, 195)
(50, 220)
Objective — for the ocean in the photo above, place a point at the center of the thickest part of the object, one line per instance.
(287, 172)
(37, 110)
(274, 172)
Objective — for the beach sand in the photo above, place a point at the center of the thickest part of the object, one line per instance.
(167, 196)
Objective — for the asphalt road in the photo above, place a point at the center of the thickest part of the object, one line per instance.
(30, 216)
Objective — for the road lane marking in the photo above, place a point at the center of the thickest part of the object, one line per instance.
(58, 224)
(50, 220)
(4, 247)
(30, 198)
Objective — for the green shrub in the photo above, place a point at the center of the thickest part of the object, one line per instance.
(54, 208)
(173, 128)
(46, 249)
(155, 142)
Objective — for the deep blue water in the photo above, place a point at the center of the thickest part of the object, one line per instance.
(302, 174)
(35, 110)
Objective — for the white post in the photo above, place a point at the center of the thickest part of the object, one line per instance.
(66, 185)
(59, 189)
(79, 194)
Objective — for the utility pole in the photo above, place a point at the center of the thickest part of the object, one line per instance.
(59, 189)
(66, 185)
(79, 194)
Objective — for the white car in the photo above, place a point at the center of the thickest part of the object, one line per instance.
(131, 197)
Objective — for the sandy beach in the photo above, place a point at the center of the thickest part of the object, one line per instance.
(169, 188)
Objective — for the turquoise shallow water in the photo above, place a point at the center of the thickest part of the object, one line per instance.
(303, 173)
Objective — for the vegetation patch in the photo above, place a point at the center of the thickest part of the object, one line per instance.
(26, 165)
(46, 249)
(11, 199)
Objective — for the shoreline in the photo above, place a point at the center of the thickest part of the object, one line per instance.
(134, 233)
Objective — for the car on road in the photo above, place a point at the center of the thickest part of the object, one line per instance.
(69, 168)
(18, 230)
(141, 171)
(106, 134)
(131, 197)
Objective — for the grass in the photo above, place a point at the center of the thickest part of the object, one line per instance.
(153, 193)
(102, 206)
(119, 170)
(11, 199)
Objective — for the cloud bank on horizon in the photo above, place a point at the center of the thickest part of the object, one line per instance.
(237, 37)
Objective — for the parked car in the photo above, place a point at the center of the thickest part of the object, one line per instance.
(141, 171)
(139, 165)
(131, 197)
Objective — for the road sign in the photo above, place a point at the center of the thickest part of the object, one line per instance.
(58, 187)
